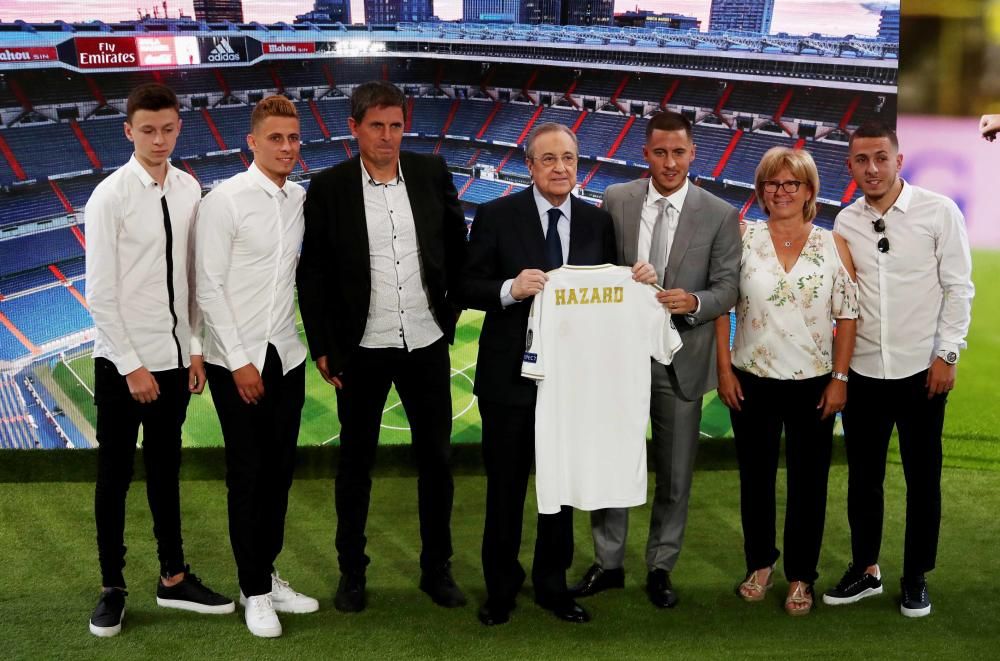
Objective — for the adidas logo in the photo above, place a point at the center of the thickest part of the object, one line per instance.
(223, 52)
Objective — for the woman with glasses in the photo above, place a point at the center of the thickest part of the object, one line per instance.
(786, 370)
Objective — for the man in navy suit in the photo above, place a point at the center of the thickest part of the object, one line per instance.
(514, 240)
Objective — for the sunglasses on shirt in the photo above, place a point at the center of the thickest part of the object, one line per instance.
(879, 227)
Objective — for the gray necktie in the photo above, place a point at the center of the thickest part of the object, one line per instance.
(659, 245)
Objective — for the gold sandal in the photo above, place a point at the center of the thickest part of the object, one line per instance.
(751, 589)
(800, 601)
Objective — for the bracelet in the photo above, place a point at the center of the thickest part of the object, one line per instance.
(839, 376)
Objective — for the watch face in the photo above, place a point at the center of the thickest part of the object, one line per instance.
(951, 358)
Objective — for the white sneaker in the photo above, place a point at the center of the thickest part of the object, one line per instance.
(285, 599)
(261, 619)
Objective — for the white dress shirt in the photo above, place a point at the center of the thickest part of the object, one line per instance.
(127, 270)
(651, 210)
(248, 239)
(915, 299)
(562, 227)
(399, 308)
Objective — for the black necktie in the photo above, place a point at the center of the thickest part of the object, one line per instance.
(553, 247)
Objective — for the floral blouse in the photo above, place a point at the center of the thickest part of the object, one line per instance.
(784, 321)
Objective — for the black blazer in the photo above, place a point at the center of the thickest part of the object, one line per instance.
(334, 272)
(507, 238)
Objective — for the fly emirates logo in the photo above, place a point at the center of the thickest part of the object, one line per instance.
(107, 53)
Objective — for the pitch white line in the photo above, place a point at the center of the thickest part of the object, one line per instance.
(454, 372)
(79, 380)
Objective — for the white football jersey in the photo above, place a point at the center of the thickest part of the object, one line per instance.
(590, 337)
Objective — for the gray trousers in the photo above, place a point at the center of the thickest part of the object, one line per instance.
(676, 424)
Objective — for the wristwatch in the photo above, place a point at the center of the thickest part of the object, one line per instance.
(839, 376)
(950, 357)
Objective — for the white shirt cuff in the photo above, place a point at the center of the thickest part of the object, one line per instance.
(506, 299)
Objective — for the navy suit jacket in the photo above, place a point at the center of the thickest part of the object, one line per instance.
(507, 238)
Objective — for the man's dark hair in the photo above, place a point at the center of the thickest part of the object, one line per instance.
(668, 120)
(875, 129)
(375, 94)
(151, 96)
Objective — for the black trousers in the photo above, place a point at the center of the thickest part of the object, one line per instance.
(508, 453)
(118, 420)
(768, 406)
(423, 381)
(260, 443)
(873, 407)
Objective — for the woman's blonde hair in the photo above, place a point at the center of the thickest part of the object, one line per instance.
(800, 164)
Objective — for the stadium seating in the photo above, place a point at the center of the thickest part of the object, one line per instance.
(62, 314)
(598, 132)
(470, 117)
(33, 147)
(484, 190)
(16, 432)
(213, 169)
(309, 128)
(429, 115)
(107, 136)
(233, 123)
(334, 112)
(195, 137)
(509, 123)
(78, 189)
(7, 175)
(599, 82)
(55, 429)
(25, 253)
(29, 203)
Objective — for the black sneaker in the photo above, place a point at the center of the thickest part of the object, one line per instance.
(440, 586)
(192, 595)
(106, 620)
(916, 602)
(350, 597)
(854, 586)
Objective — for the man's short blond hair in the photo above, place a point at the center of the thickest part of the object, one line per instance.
(272, 106)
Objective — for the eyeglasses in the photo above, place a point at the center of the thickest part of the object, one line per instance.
(791, 186)
(549, 160)
(879, 227)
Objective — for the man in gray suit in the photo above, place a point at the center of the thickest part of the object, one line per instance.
(692, 239)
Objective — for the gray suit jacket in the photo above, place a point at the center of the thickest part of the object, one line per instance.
(704, 260)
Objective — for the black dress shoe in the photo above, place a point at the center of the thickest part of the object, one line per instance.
(597, 579)
(566, 610)
(441, 587)
(661, 592)
(491, 615)
(350, 597)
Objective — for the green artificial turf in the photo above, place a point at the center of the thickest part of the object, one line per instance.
(51, 581)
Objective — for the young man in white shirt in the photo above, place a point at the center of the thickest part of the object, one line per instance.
(248, 239)
(911, 253)
(147, 350)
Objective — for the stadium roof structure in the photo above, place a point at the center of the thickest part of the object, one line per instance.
(864, 63)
